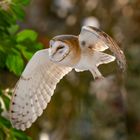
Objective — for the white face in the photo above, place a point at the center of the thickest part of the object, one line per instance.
(58, 51)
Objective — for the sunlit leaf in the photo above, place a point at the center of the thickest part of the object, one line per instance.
(13, 29)
(15, 63)
(27, 54)
(38, 46)
(26, 34)
(6, 101)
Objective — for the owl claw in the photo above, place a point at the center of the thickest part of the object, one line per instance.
(99, 78)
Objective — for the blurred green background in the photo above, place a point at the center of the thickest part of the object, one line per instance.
(80, 108)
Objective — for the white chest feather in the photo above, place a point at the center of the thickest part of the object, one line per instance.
(86, 62)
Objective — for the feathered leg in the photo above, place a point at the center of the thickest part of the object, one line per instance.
(100, 58)
(96, 73)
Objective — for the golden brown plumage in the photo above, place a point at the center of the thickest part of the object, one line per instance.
(74, 49)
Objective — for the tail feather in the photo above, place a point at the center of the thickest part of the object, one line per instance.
(103, 58)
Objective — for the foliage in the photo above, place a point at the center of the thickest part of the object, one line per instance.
(16, 48)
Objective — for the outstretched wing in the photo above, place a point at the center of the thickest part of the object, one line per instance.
(98, 40)
(34, 89)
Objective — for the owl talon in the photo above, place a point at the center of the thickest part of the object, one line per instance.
(99, 78)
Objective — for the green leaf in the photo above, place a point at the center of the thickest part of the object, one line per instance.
(2, 59)
(38, 46)
(25, 2)
(13, 29)
(27, 54)
(20, 135)
(4, 122)
(2, 135)
(19, 12)
(15, 63)
(20, 47)
(26, 34)
(2, 48)
(6, 101)
(21, 2)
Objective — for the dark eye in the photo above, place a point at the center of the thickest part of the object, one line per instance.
(60, 47)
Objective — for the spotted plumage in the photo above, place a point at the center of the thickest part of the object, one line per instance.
(47, 67)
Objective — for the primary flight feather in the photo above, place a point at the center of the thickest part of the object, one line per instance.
(47, 67)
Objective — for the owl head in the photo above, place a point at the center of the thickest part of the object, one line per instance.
(58, 50)
(63, 49)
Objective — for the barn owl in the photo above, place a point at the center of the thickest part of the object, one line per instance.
(38, 81)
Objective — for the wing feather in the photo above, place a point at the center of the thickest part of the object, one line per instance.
(100, 41)
(34, 89)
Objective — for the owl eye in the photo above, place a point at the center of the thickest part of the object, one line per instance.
(60, 47)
